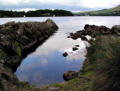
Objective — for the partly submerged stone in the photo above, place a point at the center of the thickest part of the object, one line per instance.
(91, 30)
(65, 54)
(75, 48)
(69, 75)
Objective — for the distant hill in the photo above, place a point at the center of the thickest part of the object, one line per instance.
(37, 13)
(105, 12)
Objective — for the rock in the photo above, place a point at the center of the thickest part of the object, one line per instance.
(86, 26)
(84, 38)
(7, 79)
(17, 40)
(116, 29)
(92, 30)
(65, 54)
(77, 45)
(68, 37)
(69, 75)
(75, 48)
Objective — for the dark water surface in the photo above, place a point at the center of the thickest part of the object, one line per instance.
(46, 65)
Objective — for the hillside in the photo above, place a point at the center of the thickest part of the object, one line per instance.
(105, 12)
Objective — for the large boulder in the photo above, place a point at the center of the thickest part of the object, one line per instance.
(116, 29)
(17, 40)
(69, 75)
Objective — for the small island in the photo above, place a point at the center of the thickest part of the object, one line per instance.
(36, 13)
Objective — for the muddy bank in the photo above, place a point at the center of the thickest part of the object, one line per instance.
(17, 40)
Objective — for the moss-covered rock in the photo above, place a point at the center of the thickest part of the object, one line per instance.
(17, 40)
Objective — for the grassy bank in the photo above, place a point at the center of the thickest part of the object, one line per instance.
(104, 12)
(100, 70)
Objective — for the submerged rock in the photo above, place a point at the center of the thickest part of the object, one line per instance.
(69, 75)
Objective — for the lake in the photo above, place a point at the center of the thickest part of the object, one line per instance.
(46, 65)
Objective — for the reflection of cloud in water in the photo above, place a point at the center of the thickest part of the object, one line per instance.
(37, 76)
(47, 64)
(62, 44)
(27, 67)
(44, 62)
(78, 54)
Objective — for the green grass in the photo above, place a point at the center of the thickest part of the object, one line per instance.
(17, 48)
(105, 12)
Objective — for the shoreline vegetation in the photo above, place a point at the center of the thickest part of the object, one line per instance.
(100, 71)
(36, 13)
(59, 12)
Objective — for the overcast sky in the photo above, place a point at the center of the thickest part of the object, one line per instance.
(73, 5)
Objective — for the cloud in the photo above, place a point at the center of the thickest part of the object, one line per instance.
(99, 3)
(60, 4)
(25, 9)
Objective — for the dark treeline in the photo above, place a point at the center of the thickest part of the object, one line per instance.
(37, 13)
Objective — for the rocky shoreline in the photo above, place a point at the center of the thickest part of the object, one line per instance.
(93, 31)
(17, 40)
(100, 71)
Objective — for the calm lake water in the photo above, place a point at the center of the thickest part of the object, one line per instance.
(46, 65)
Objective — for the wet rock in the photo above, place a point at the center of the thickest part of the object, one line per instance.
(84, 38)
(86, 26)
(69, 75)
(77, 45)
(75, 48)
(68, 37)
(65, 54)
(92, 30)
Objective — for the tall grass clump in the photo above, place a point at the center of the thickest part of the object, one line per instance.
(104, 55)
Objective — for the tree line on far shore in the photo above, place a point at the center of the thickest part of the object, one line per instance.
(37, 13)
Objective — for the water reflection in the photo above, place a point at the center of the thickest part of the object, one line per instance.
(62, 44)
(46, 65)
